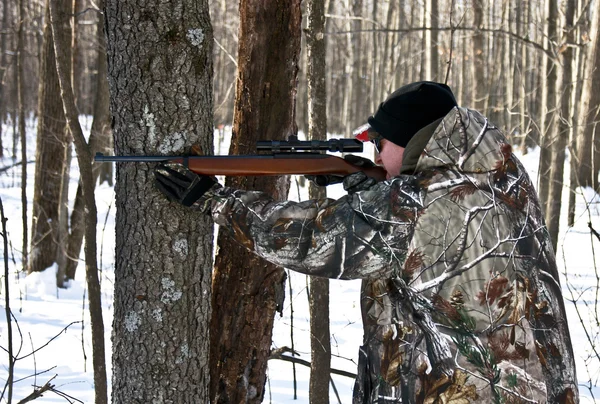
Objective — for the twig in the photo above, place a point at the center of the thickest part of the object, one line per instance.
(452, 31)
(34, 375)
(49, 341)
(102, 238)
(226, 52)
(496, 31)
(18, 163)
(82, 331)
(11, 359)
(594, 232)
(87, 10)
(335, 390)
(279, 354)
(38, 392)
(292, 325)
(67, 397)
(34, 362)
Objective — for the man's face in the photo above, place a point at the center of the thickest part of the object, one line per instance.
(390, 157)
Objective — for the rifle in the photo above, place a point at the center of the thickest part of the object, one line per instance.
(291, 157)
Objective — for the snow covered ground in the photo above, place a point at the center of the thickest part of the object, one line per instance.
(59, 317)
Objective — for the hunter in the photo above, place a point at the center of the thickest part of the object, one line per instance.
(461, 299)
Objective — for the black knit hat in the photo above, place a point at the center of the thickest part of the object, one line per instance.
(411, 108)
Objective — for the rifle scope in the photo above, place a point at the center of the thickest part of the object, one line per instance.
(289, 146)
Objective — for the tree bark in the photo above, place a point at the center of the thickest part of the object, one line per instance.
(481, 89)
(99, 142)
(565, 122)
(3, 67)
(551, 134)
(435, 42)
(356, 116)
(246, 290)
(320, 345)
(50, 155)
(160, 77)
(587, 141)
(62, 229)
(84, 157)
(22, 133)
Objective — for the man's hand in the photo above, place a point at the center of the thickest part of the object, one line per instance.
(353, 182)
(179, 184)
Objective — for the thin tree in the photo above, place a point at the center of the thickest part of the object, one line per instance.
(52, 141)
(587, 138)
(435, 42)
(320, 345)
(554, 202)
(99, 141)
(22, 134)
(358, 73)
(246, 290)
(479, 54)
(3, 67)
(84, 158)
(549, 127)
(160, 66)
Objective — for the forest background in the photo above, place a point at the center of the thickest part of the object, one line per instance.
(531, 67)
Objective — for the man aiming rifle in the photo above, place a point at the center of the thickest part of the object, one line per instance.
(461, 297)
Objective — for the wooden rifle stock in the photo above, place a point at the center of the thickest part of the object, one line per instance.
(259, 165)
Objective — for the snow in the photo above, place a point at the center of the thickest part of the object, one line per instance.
(56, 321)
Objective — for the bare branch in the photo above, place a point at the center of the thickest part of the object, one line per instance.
(38, 392)
(279, 354)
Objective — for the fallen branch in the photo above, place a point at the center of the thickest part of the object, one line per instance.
(38, 392)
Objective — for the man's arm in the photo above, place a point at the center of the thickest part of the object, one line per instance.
(361, 235)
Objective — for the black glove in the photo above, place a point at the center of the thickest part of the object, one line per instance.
(353, 182)
(179, 184)
(357, 182)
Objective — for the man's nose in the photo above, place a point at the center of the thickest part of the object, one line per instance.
(378, 159)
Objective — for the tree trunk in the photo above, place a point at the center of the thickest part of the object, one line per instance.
(550, 135)
(347, 89)
(50, 155)
(481, 89)
(554, 202)
(62, 229)
(587, 145)
(377, 64)
(22, 133)
(356, 117)
(99, 142)
(3, 67)
(424, 67)
(320, 345)
(246, 290)
(160, 76)
(539, 80)
(84, 157)
(435, 42)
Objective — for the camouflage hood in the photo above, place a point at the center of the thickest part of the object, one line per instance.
(464, 140)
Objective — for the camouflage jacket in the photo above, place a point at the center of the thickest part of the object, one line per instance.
(461, 298)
